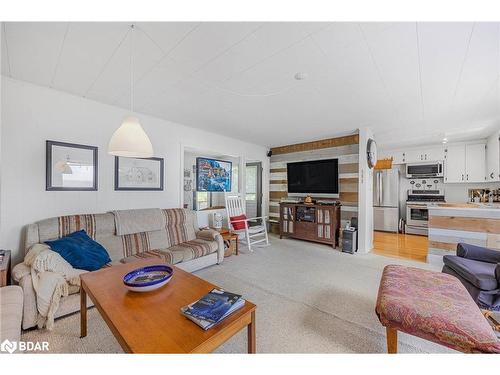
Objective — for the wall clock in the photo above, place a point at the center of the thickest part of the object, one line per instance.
(371, 153)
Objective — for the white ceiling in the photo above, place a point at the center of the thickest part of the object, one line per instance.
(412, 83)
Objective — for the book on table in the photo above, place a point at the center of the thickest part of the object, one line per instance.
(212, 308)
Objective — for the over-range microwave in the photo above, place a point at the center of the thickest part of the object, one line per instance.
(428, 169)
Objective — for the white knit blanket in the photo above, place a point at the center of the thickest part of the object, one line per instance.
(51, 276)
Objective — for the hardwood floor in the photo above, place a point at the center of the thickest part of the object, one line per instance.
(407, 246)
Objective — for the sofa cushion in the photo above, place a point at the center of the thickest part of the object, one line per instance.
(237, 223)
(479, 274)
(480, 253)
(162, 255)
(79, 250)
(179, 225)
(194, 249)
(179, 253)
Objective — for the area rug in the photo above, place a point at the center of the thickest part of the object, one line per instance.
(310, 299)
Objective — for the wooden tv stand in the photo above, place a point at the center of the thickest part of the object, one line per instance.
(311, 222)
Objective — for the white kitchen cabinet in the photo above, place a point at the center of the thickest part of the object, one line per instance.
(493, 158)
(432, 153)
(465, 163)
(454, 165)
(413, 156)
(475, 162)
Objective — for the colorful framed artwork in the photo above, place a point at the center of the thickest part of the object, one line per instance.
(213, 175)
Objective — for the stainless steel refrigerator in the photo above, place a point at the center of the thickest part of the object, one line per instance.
(386, 200)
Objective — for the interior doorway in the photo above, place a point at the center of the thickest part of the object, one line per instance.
(253, 198)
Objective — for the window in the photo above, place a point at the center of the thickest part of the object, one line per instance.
(251, 183)
(234, 178)
(202, 200)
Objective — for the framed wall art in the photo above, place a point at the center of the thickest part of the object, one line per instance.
(139, 174)
(70, 167)
(213, 175)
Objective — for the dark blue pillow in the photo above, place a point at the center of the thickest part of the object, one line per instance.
(81, 251)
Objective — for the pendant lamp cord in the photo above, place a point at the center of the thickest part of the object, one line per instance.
(132, 68)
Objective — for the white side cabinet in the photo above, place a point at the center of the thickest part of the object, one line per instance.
(493, 158)
(454, 166)
(433, 153)
(475, 162)
(465, 163)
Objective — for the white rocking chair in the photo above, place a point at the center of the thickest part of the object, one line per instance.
(250, 235)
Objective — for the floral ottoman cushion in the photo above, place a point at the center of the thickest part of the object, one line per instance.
(434, 306)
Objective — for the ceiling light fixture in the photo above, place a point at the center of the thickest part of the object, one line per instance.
(130, 139)
(299, 76)
(445, 140)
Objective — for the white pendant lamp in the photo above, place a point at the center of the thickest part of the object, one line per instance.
(130, 139)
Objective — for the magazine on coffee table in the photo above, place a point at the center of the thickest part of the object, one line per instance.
(212, 308)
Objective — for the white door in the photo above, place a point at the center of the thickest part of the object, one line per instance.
(454, 166)
(475, 163)
(253, 199)
(493, 158)
(433, 153)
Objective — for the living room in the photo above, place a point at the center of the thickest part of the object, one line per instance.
(192, 186)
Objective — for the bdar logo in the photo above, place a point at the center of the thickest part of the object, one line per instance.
(8, 346)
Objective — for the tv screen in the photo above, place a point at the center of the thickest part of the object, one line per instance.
(213, 175)
(313, 177)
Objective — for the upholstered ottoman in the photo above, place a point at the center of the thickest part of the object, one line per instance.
(433, 306)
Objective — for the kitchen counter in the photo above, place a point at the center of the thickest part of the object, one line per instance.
(479, 210)
(473, 223)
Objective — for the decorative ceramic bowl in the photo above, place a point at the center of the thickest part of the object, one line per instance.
(148, 278)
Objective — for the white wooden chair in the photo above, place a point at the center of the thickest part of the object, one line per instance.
(251, 235)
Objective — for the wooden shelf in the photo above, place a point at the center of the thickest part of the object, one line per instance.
(310, 222)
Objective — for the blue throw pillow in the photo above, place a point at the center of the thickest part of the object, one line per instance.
(81, 251)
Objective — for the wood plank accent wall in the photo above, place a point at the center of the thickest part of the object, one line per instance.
(316, 145)
(449, 227)
(346, 149)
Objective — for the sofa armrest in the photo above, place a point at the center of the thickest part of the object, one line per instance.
(19, 271)
(482, 254)
(207, 234)
(30, 310)
(213, 235)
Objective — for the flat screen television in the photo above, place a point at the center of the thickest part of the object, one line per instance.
(213, 175)
(317, 177)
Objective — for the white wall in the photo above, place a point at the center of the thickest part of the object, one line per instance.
(365, 195)
(32, 114)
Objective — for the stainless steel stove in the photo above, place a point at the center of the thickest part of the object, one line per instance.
(417, 212)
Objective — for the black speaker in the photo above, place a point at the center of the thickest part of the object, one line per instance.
(270, 153)
(349, 241)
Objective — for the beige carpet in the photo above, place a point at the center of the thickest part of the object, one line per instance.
(310, 299)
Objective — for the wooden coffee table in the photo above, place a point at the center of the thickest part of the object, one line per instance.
(151, 322)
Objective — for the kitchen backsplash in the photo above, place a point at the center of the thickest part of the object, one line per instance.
(459, 193)
(425, 184)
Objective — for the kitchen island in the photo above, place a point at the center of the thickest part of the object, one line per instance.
(473, 223)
